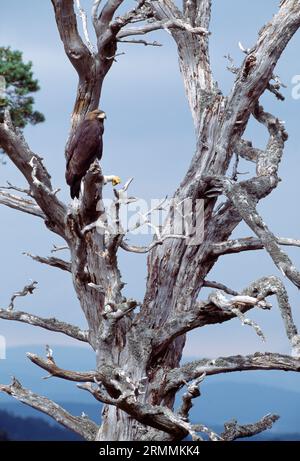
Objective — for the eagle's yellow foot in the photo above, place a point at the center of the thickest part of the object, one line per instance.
(115, 180)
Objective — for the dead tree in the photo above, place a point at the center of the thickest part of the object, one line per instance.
(137, 373)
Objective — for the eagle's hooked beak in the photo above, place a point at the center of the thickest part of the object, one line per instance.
(102, 116)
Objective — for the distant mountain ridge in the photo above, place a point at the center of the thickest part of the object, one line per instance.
(14, 427)
(17, 428)
(219, 402)
(222, 397)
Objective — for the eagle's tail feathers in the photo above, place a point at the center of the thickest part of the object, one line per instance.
(75, 188)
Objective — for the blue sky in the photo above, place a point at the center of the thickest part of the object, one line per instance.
(149, 135)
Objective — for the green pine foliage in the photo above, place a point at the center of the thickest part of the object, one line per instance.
(19, 86)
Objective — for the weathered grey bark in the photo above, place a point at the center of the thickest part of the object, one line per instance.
(137, 372)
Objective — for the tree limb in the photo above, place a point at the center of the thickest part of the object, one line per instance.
(245, 150)
(254, 77)
(126, 399)
(248, 244)
(81, 425)
(245, 205)
(233, 305)
(27, 290)
(75, 49)
(47, 323)
(89, 67)
(51, 261)
(106, 15)
(203, 313)
(84, 20)
(169, 24)
(21, 204)
(32, 168)
(209, 312)
(141, 42)
(197, 74)
(54, 371)
(177, 377)
(193, 392)
(234, 431)
(219, 286)
(18, 189)
(145, 249)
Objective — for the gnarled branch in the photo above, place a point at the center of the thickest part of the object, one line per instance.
(234, 431)
(177, 377)
(248, 244)
(47, 323)
(21, 204)
(209, 312)
(27, 290)
(54, 371)
(81, 425)
(51, 261)
(32, 168)
(77, 52)
(169, 24)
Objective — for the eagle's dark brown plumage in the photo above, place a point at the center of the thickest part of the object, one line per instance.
(84, 148)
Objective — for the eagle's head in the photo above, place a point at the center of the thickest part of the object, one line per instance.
(96, 114)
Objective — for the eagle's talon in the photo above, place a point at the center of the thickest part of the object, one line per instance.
(115, 180)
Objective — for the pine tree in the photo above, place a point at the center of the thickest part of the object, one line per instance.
(17, 85)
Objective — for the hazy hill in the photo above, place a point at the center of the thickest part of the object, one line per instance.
(19, 428)
(244, 396)
(3, 436)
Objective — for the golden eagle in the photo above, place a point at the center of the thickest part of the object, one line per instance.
(84, 148)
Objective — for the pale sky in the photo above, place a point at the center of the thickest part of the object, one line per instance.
(149, 135)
